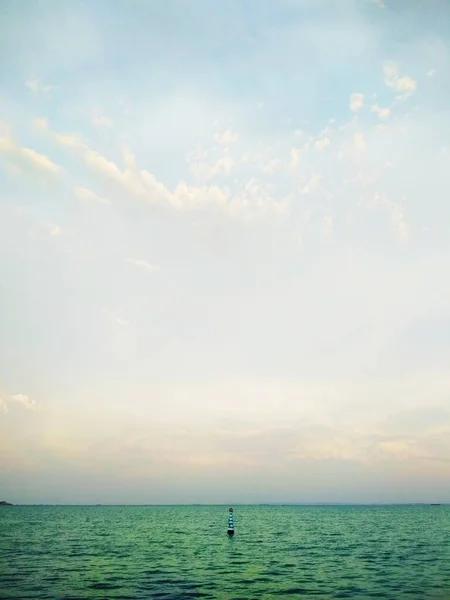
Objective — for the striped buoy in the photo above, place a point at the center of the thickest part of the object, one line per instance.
(230, 530)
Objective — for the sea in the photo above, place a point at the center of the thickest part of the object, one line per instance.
(183, 552)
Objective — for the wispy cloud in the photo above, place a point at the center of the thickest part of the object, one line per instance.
(122, 321)
(405, 84)
(356, 101)
(226, 137)
(8, 401)
(99, 119)
(26, 156)
(38, 87)
(143, 264)
(40, 124)
(115, 316)
(145, 186)
(54, 230)
(40, 160)
(323, 143)
(383, 113)
(85, 194)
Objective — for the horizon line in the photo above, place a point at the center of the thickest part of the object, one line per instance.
(234, 504)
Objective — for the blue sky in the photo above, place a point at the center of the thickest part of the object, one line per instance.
(224, 251)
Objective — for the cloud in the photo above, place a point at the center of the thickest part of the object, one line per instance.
(6, 401)
(102, 165)
(54, 230)
(323, 143)
(405, 84)
(26, 156)
(226, 137)
(312, 184)
(40, 160)
(356, 101)
(122, 321)
(272, 166)
(24, 401)
(145, 186)
(205, 170)
(383, 113)
(359, 142)
(327, 226)
(143, 264)
(83, 193)
(38, 87)
(101, 120)
(115, 316)
(396, 214)
(40, 124)
(72, 141)
(296, 154)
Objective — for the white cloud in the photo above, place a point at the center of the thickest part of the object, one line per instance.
(22, 399)
(272, 166)
(15, 153)
(40, 160)
(83, 193)
(122, 321)
(323, 143)
(99, 119)
(312, 184)
(359, 142)
(226, 137)
(101, 164)
(379, 3)
(399, 223)
(54, 230)
(7, 143)
(128, 159)
(396, 214)
(405, 84)
(184, 197)
(296, 154)
(431, 73)
(72, 141)
(114, 316)
(383, 113)
(356, 101)
(327, 226)
(38, 87)
(254, 199)
(143, 264)
(205, 170)
(40, 124)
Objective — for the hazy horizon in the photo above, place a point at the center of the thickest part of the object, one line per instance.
(225, 252)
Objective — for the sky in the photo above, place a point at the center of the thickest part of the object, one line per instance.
(224, 251)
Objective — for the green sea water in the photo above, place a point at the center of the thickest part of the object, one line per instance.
(182, 552)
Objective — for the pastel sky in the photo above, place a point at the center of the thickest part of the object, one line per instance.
(224, 251)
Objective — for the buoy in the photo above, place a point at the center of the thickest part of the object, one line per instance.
(230, 529)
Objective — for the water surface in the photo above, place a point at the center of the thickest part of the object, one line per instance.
(182, 552)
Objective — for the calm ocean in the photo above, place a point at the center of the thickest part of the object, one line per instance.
(181, 552)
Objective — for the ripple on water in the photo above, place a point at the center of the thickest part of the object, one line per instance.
(124, 553)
